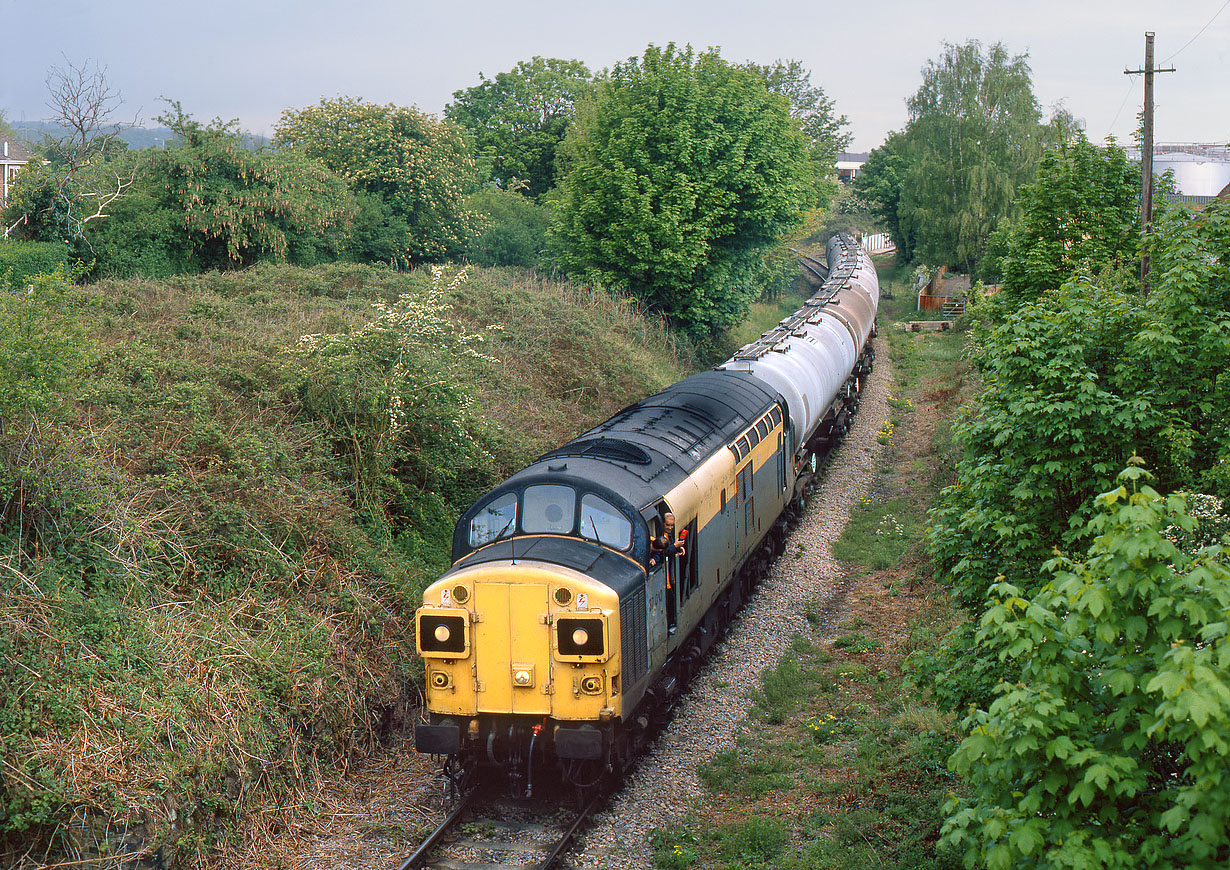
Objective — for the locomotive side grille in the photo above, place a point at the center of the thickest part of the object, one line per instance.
(635, 647)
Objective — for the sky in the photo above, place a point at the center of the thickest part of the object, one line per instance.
(251, 60)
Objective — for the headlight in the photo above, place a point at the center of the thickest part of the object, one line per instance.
(580, 636)
(442, 633)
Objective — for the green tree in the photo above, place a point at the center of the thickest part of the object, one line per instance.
(1080, 215)
(520, 117)
(685, 171)
(974, 136)
(879, 184)
(145, 235)
(1074, 385)
(60, 197)
(1109, 751)
(236, 205)
(76, 182)
(827, 132)
(417, 170)
(514, 231)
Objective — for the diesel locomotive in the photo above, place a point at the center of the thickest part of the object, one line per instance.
(567, 621)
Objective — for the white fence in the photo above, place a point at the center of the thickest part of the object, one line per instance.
(879, 243)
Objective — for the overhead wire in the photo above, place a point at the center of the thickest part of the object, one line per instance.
(1132, 78)
(1131, 87)
(1198, 32)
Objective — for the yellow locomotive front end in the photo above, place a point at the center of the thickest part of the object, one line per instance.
(517, 649)
(534, 638)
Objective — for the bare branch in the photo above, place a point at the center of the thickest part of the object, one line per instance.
(21, 220)
(84, 104)
(104, 198)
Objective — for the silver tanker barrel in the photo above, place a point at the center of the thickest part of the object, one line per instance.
(809, 355)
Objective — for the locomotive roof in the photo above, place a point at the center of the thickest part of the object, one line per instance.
(648, 448)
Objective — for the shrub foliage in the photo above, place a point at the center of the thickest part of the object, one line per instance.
(684, 172)
(415, 169)
(1100, 686)
(1109, 749)
(1076, 383)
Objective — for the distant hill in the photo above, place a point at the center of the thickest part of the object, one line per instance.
(136, 137)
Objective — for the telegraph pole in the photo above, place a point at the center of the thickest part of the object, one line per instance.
(1146, 157)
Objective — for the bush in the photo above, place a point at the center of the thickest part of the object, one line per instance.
(142, 237)
(21, 261)
(43, 351)
(399, 414)
(515, 233)
(1110, 749)
(1078, 384)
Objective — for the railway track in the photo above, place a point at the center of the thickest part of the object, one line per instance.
(486, 832)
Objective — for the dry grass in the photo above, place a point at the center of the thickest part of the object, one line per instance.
(197, 626)
(568, 356)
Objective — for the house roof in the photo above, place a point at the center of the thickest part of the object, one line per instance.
(12, 151)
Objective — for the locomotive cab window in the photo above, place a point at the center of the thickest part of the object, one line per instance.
(601, 522)
(548, 507)
(497, 520)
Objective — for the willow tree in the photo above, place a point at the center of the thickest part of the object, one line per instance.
(974, 136)
(684, 171)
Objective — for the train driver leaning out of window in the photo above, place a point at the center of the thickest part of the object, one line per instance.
(665, 545)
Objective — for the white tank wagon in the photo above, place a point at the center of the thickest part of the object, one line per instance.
(817, 357)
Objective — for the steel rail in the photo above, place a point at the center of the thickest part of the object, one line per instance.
(568, 835)
(420, 854)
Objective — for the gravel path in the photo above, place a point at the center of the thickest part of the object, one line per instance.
(665, 785)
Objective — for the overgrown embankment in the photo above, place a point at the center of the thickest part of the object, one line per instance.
(213, 530)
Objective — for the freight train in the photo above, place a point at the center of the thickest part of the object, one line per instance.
(573, 613)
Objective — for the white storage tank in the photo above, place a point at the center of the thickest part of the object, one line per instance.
(1194, 174)
(1199, 170)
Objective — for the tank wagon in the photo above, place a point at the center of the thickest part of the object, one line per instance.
(566, 622)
